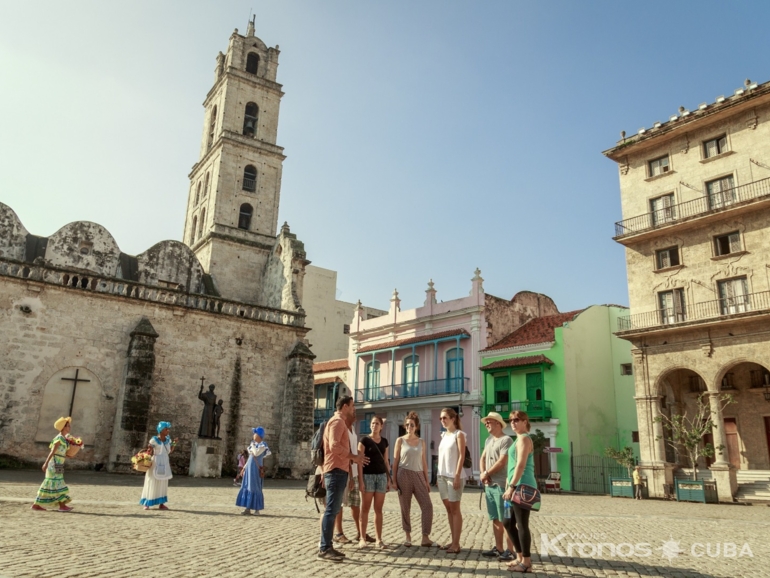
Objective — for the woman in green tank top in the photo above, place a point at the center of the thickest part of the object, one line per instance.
(521, 470)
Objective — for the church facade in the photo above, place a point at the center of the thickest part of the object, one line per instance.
(121, 342)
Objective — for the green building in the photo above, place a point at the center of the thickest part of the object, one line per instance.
(574, 379)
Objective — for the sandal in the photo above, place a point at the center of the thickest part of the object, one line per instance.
(453, 551)
(381, 545)
(38, 508)
(341, 539)
(408, 544)
(520, 568)
(428, 544)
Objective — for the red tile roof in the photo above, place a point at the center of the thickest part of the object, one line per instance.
(537, 330)
(518, 362)
(417, 339)
(325, 380)
(333, 365)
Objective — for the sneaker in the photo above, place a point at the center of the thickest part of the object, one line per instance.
(330, 555)
(341, 539)
(336, 552)
(491, 553)
(370, 539)
(506, 556)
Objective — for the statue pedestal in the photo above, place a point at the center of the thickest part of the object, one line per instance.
(206, 458)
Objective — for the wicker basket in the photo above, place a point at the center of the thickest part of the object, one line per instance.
(142, 467)
(72, 451)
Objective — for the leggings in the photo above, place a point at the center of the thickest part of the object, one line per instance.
(410, 484)
(517, 527)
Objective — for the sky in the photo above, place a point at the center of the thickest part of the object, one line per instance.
(424, 138)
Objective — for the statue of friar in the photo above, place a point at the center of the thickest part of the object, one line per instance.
(209, 400)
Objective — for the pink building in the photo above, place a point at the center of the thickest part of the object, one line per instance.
(427, 358)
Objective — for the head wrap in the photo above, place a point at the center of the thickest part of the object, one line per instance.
(260, 431)
(61, 422)
(163, 425)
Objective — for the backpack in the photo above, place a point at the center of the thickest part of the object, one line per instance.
(467, 462)
(315, 489)
(317, 446)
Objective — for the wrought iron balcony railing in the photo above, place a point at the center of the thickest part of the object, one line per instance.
(535, 409)
(445, 386)
(705, 310)
(700, 206)
(320, 415)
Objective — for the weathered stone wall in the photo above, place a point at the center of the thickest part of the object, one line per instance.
(86, 246)
(297, 423)
(284, 273)
(67, 327)
(504, 316)
(13, 235)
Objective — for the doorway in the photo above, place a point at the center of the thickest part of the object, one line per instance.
(731, 440)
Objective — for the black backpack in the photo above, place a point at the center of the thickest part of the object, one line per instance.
(317, 446)
(315, 489)
(467, 462)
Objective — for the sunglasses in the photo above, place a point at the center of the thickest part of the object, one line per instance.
(516, 420)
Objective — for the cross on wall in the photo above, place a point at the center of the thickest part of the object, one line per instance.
(75, 380)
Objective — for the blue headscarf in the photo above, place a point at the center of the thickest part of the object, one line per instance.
(260, 431)
(164, 424)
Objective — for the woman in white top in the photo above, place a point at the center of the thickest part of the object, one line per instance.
(451, 476)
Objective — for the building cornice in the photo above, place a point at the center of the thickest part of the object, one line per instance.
(248, 78)
(546, 345)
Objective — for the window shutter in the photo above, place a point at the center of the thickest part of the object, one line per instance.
(665, 259)
(735, 242)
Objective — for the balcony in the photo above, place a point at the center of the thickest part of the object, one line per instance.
(699, 207)
(537, 410)
(716, 309)
(446, 386)
(320, 415)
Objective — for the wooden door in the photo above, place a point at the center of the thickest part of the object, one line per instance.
(732, 443)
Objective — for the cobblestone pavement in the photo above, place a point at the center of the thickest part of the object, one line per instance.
(108, 534)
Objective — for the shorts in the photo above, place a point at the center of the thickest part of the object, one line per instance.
(376, 483)
(494, 496)
(352, 498)
(446, 490)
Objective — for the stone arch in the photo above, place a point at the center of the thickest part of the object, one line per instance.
(727, 368)
(13, 235)
(84, 245)
(670, 380)
(170, 264)
(61, 393)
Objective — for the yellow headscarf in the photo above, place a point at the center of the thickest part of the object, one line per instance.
(61, 422)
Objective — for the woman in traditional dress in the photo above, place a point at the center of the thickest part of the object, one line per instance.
(250, 497)
(53, 490)
(155, 491)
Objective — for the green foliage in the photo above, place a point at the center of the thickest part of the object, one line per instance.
(686, 434)
(539, 442)
(624, 457)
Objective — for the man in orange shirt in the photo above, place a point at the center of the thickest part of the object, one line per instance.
(337, 459)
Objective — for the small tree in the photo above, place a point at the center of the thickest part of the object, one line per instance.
(687, 433)
(624, 457)
(539, 442)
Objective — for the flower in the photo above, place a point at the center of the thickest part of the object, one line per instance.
(73, 440)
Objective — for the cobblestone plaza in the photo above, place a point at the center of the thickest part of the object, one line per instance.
(108, 534)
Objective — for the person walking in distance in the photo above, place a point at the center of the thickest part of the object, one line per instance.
(376, 479)
(637, 477)
(337, 459)
(410, 475)
(451, 476)
(521, 470)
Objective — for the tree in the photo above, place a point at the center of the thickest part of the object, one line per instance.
(687, 433)
(624, 457)
(539, 442)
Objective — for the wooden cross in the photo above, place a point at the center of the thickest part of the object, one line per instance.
(75, 382)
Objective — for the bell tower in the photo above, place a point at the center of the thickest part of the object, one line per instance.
(232, 210)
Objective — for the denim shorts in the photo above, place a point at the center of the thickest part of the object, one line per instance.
(376, 483)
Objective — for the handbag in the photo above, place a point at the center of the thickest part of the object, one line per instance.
(527, 497)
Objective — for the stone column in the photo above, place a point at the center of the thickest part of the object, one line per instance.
(296, 429)
(651, 447)
(133, 406)
(722, 471)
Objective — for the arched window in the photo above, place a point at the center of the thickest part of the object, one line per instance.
(250, 120)
(198, 194)
(454, 370)
(411, 371)
(194, 229)
(244, 216)
(252, 63)
(372, 385)
(212, 126)
(206, 187)
(250, 178)
(203, 222)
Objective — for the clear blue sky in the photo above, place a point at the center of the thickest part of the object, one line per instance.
(424, 139)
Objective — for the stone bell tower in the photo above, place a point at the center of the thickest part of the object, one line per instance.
(232, 211)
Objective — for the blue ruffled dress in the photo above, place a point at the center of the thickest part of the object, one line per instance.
(251, 496)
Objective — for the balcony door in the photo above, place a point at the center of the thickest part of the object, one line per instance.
(535, 401)
(734, 296)
(372, 385)
(454, 370)
(410, 378)
(672, 309)
(721, 192)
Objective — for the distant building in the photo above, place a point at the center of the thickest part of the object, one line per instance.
(573, 377)
(331, 379)
(327, 317)
(695, 194)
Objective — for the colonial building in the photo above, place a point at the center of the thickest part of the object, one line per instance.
(121, 342)
(574, 379)
(695, 195)
(331, 379)
(427, 358)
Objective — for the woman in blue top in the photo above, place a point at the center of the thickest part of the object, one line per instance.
(250, 497)
(521, 470)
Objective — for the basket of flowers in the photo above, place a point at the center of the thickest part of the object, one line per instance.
(142, 461)
(75, 445)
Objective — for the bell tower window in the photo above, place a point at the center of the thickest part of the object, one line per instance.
(212, 125)
(252, 63)
(250, 120)
(198, 194)
(194, 228)
(203, 222)
(244, 217)
(250, 179)
(206, 187)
